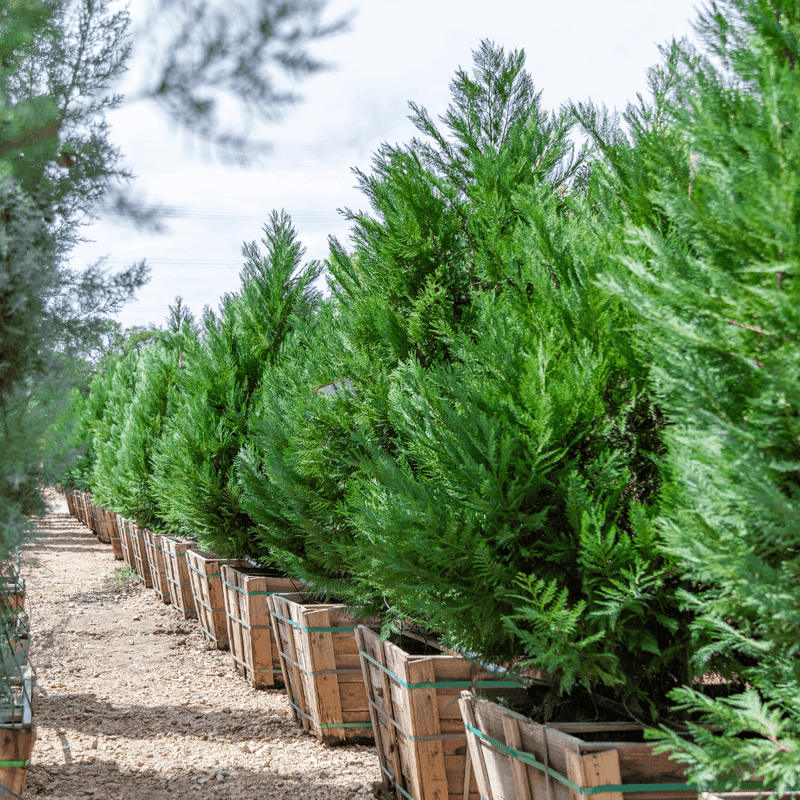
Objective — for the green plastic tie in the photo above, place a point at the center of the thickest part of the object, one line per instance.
(398, 786)
(310, 630)
(249, 594)
(527, 758)
(442, 684)
(331, 724)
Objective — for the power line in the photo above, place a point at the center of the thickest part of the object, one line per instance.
(201, 212)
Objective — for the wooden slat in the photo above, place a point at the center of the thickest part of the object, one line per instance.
(321, 658)
(516, 767)
(286, 645)
(140, 561)
(596, 769)
(485, 789)
(180, 591)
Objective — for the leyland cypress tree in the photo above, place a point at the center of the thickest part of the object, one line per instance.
(155, 399)
(193, 481)
(406, 289)
(489, 477)
(720, 303)
(107, 483)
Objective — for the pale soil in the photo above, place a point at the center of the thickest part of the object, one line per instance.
(135, 705)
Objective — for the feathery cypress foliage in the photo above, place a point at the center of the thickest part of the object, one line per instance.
(193, 476)
(720, 302)
(486, 477)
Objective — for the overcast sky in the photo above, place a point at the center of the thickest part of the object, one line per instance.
(393, 53)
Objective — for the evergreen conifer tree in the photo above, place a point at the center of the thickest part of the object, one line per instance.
(193, 481)
(717, 294)
(488, 476)
(154, 401)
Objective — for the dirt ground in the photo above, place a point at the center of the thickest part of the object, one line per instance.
(135, 705)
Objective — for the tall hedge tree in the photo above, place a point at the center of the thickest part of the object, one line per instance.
(490, 474)
(194, 481)
(720, 304)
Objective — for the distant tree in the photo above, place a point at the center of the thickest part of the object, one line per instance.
(60, 65)
(194, 481)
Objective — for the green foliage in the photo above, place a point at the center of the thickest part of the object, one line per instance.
(192, 481)
(155, 399)
(485, 478)
(718, 299)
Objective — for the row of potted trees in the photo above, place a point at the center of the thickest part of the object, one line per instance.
(441, 722)
(555, 420)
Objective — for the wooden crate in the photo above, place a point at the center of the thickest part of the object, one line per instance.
(104, 520)
(18, 731)
(508, 753)
(250, 635)
(139, 549)
(321, 669)
(80, 499)
(155, 558)
(115, 524)
(205, 575)
(177, 572)
(125, 541)
(94, 519)
(413, 699)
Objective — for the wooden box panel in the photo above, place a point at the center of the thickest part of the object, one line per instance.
(81, 507)
(105, 524)
(317, 650)
(139, 551)
(155, 558)
(115, 531)
(413, 700)
(18, 732)
(94, 519)
(250, 635)
(177, 572)
(125, 541)
(205, 576)
(503, 776)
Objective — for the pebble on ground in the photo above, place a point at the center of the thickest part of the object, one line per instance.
(135, 705)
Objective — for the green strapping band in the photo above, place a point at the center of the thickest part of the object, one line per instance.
(527, 758)
(398, 786)
(210, 635)
(331, 724)
(441, 684)
(249, 594)
(310, 630)
(13, 764)
(204, 574)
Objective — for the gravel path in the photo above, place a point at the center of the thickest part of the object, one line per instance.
(134, 705)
